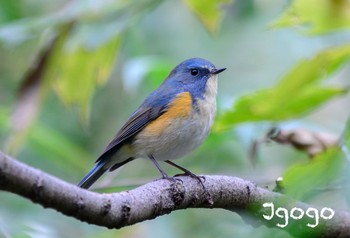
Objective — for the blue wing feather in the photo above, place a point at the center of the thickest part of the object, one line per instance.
(153, 106)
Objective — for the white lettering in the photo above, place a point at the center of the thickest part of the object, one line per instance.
(292, 213)
(283, 215)
(297, 213)
(328, 209)
(269, 204)
(316, 216)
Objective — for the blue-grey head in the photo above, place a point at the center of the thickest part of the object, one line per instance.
(196, 75)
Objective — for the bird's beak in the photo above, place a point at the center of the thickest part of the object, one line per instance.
(217, 71)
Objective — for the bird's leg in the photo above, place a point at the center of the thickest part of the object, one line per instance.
(187, 172)
(199, 179)
(164, 175)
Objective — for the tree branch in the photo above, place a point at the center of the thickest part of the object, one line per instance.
(161, 197)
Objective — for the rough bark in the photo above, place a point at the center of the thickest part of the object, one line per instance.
(117, 210)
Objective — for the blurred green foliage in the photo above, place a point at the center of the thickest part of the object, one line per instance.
(209, 12)
(317, 17)
(106, 56)
(82, 69)
(297, 93)
(300, 179)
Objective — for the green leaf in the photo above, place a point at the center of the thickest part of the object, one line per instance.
(318, 16)
(266, 105)
(301, 179)
(77, 69)
(298, 93)
(309, 71)
(9, 10)
(208, 11)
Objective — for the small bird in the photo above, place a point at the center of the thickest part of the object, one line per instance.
(170, 123)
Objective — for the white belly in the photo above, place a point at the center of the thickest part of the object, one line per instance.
(179, 139)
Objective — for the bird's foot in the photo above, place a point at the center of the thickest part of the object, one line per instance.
(201, 180)
(192, 175)
(171, 179)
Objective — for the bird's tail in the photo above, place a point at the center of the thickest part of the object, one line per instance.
(93, 175)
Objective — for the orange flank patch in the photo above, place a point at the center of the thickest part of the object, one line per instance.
(181, 107)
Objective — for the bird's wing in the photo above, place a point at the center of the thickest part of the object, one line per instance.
(154, 105)
(138, 120)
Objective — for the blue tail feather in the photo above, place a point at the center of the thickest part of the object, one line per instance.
(93, 175)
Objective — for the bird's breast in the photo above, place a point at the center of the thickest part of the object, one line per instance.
(180, 130)
(179, 109)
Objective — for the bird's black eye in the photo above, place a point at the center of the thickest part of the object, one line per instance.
(194, 72)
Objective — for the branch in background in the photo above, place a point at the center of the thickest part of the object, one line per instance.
(305, 140)
(29, 98)
(160, 197)
(30, 92)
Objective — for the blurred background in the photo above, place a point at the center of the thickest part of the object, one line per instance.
(71, 72)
